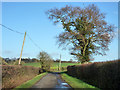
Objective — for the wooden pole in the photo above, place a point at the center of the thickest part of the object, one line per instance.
(22, 49)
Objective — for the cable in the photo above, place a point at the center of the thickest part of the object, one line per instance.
(22, 33)
(34, 42)
(11, 29)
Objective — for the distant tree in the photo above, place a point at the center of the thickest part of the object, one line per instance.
(85, 30)
(34, 60)
(16, 62)
(57, 60)
(45, 60)
(71, 59)
(2, 61)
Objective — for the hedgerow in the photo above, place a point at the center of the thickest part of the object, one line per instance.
(13, 76)
(100, 74)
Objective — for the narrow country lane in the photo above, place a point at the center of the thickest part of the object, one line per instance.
(51, 80)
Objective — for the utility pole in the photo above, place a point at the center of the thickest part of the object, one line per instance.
(22, 49)
(60, 63)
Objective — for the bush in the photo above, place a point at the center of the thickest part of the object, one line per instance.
(13, 76)
(100, 74)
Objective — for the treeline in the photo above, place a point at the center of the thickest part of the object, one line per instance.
(28, 60)
(103, 75)
(64, 61)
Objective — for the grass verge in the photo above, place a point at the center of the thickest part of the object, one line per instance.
(76, 83)
(31, 82)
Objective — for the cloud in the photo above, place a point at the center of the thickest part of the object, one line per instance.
(7, 52)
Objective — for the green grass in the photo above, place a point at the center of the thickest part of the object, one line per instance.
(33, 64)
(64, 64)
(29, 83)
(76, 83)
(55, 65)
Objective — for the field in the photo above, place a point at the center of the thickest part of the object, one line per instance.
(55, 64)
(32, 64)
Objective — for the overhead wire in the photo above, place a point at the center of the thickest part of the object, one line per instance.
(33, 42)
(11, 29)
(22, 33)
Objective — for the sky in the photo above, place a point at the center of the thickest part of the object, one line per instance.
(31, 17)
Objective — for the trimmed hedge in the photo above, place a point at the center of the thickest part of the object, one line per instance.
(100, 74)
(13, 76)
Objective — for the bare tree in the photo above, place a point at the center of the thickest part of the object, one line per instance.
(45, 60)
(85, 30)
